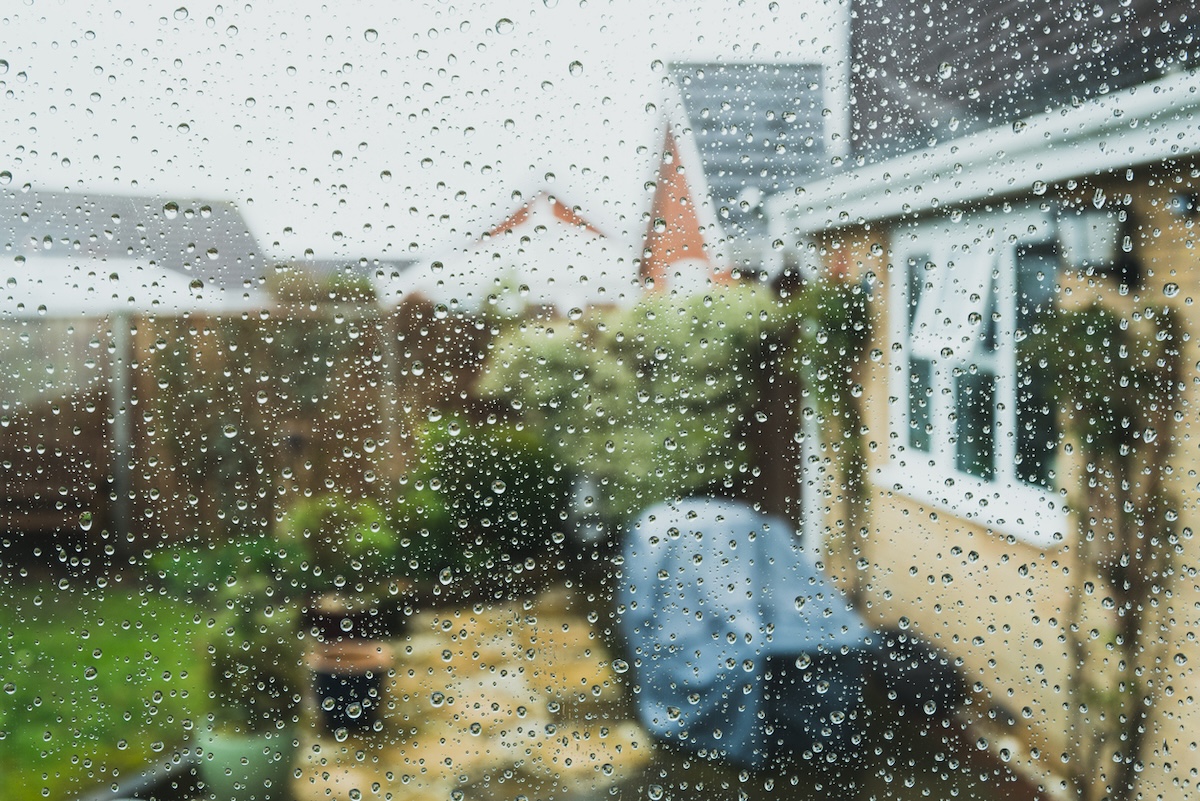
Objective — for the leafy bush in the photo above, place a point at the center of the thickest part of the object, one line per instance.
(255, 656)
(503, 492)
(326, 543)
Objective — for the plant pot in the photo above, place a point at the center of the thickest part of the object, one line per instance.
(237, 766)
(332, 617)
(348, 681)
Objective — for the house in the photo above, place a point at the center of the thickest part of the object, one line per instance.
(1007, 159)
(734, 136)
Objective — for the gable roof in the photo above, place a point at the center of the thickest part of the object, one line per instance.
(545, 251)
(758, 130)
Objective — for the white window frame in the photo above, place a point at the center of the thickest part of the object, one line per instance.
(1004, 503)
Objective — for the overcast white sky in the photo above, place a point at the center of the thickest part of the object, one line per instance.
(381, 129)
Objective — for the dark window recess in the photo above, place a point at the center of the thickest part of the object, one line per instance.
(920, 396)
(975, 424)
(1037, 433)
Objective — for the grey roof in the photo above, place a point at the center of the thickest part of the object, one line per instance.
(757, 126)
(925, 73)
(204, 239)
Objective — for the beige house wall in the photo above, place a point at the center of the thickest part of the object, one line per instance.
(998, 604)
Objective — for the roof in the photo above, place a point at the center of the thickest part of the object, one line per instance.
(1144, 124)
(941, 71)
(199, 240)
(758, 129)
(545, 252)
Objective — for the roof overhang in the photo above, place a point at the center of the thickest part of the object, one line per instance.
(57, 287)
(1153, 122)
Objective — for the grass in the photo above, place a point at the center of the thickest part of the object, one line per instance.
(97, 678)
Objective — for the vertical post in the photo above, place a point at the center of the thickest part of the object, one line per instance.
(119, 406)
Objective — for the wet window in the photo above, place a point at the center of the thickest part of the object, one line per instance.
(588, 400)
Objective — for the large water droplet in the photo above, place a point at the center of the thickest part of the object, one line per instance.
(504, 25)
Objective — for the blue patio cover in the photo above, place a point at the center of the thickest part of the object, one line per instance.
(710, 588)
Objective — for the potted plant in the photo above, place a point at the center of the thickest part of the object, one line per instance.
(254, 655)
(341, 556)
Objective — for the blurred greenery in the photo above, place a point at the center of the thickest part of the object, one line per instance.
(326, 542)
(97, 680)
(656, 400)
(501, 489)
(255, 651)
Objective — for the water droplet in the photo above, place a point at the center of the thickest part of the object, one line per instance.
(354, 710)
(183, 127)
(230, 431)
(89, 673)
(945, 70)
(3, 66)
(476, 729)
(437, 699)
(504, 25)
(800, 602)
(370, 34)
(1171, 289)
(1098, 198)
(445, 576)
(171, 210)
(576, 68)
(212, 254)
(85, 521)
(385, 176)
(5, 177)
(250, 102)
(181, 13)
(498, 487)
(654, 792)
(620, 666)
(1039, 187)
(10, 688)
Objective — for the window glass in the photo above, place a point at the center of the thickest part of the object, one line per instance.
(599, 400)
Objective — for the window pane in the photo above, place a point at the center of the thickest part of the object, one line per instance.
(1037, 435)
(920, 400)
(975, 423)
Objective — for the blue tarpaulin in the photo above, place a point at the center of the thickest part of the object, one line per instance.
(710, 590)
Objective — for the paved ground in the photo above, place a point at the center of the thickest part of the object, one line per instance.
(489, 701)
(523, 700)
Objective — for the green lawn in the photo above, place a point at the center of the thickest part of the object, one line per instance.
(97, 678)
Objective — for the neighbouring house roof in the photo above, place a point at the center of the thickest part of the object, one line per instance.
(758, 130)
(544, 253)
(94, 253)
(1144, 124)
(735, 134)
